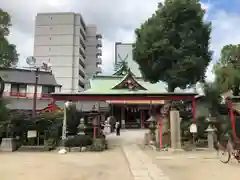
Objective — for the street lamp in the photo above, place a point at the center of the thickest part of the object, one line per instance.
(63, 150)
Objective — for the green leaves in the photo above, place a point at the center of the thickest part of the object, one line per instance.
(8, 53)
(173, 44)
(227, 70)
(5, 23)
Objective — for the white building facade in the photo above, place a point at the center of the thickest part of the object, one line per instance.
(124, 52)
(70, 46)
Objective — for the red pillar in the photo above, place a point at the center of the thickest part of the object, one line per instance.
(160, 133)
(194, 110)
(53, 104)
(233, 122)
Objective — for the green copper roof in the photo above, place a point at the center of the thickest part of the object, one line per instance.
(104, 85)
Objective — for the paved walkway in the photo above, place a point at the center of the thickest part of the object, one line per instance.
(140, 164)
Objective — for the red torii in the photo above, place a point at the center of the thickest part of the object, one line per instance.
(232, 117)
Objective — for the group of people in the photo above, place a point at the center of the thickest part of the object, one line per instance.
(110, 125)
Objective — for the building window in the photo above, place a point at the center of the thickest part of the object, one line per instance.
(46, 90)
(50, 38)
(18, 90)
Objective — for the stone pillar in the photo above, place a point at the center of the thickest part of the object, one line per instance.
(175, 129)
(165, 131)
(8, 145)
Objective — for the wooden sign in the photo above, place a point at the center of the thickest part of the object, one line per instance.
(32, 134)
(193, 128)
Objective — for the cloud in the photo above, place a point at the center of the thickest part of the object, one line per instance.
(116, 20)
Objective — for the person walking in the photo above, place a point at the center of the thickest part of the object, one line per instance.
(117, 126)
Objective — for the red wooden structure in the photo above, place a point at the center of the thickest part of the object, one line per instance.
(129, 96)
(232, 117)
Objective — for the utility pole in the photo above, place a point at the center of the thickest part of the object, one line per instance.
(35, 92)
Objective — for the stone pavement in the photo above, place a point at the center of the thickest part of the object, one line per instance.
(140, 164)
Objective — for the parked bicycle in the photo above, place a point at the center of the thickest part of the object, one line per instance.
(229, 150)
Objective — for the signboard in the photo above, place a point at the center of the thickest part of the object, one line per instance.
(136, 102)
(32, 134)
(193, 128)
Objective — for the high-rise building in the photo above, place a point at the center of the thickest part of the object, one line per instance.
(70, 46)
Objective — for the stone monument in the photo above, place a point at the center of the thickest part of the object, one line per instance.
(175, 129)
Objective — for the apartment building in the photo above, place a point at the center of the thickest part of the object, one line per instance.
(70, 46)
(19, 88)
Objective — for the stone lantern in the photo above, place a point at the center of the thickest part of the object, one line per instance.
(211, 132)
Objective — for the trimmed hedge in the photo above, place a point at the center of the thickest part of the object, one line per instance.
(79, 141)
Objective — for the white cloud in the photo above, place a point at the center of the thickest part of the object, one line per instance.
(116, 20)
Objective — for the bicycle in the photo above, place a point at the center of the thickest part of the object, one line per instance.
(229, 150)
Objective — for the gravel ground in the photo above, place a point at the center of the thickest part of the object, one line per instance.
(106, 165)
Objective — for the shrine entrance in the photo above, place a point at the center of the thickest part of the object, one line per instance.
(134, 97)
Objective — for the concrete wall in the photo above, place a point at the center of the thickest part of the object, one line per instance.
(124, 51)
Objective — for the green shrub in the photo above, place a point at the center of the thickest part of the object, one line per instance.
(88, 131)
(79, 141)
(99, 144)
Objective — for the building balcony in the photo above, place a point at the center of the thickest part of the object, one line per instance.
(26, 95)
(99, 52)
(99, 61)
(99, 43)
(98, 70)
(99, 36)
(81, 79)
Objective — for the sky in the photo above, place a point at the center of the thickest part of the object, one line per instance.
(116, 21)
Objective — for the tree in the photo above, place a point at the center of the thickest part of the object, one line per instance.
(8, 52)
(227, 70)
(173, 44)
